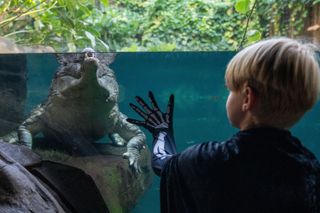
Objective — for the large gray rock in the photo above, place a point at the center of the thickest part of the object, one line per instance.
(20, 154)
(20, 191)
(120, 186)
(8, 46)
(105, 183)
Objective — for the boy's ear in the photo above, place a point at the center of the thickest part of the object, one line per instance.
(249, 99)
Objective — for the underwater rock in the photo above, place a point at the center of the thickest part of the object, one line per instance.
(20, 191)
(13, 70)
(120, 186)
(20, 154)
(75, 190)
(57, 182)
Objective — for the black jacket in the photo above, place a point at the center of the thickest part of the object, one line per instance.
(256, 171)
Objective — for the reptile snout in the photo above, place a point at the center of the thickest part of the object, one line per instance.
(90, 58)
(89, 52)
(89, 55)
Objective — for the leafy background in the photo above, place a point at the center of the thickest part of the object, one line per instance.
(152, 25)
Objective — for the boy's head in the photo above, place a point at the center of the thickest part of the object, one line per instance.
(283, 75)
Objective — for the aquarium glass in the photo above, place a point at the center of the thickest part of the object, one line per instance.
(195, 78)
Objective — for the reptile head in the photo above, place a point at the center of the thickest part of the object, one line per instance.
(85, 73)
(89, 61)
(71, 63)
(78, 64)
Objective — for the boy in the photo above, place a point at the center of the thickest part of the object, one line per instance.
(262, 168)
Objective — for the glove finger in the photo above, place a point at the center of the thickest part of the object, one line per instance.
(133, 121)
(147, 126)
(170, 108)
(143, 104)
(158, 114)
(153, 101)
(139, 111)
(147, 117)
(155, 118)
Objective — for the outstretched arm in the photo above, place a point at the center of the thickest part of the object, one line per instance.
(161, 127)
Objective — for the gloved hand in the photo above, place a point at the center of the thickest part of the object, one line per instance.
(154, 120)
(160, 125)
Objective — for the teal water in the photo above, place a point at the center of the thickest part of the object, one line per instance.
(196, 79)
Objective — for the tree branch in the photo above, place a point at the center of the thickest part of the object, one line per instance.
(247, 25)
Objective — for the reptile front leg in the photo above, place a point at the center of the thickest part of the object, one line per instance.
(25, 136)
(136, 141)
(117, 139)
(30, 126)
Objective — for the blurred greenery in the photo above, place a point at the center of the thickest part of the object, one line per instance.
(149, 25)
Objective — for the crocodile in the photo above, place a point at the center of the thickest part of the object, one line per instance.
(82, 108)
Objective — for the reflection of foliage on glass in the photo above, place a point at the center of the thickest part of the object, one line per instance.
(155, 25)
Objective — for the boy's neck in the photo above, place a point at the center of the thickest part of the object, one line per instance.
(250, 121)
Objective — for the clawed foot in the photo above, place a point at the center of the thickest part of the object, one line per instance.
(22, 136)
(134, 157)
(12, 137)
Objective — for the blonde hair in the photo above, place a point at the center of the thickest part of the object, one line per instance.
(283, 73)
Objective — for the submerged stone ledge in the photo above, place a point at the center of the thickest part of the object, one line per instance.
(118, 186)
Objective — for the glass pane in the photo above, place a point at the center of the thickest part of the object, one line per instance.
(195, 78)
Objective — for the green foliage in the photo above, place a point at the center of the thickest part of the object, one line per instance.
(153, 25)
(62, 24)
(284, 17)
(253, 36)
(135, 25)
(242, 6)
